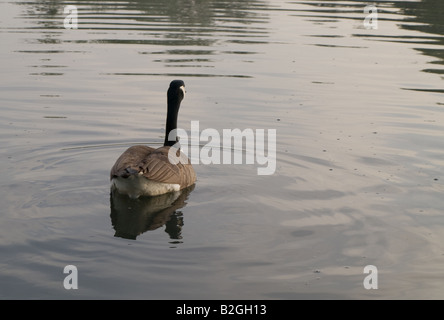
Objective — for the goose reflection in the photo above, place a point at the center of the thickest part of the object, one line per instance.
(132, 217)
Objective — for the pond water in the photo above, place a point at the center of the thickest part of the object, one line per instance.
(358, 109)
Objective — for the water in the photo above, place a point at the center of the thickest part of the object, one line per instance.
(359, 176)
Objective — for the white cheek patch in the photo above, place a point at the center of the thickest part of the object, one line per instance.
(183, 90)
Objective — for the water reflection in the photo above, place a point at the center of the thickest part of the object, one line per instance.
(175, 34)
(424, 16)
(132, 217)
(358, 160)
(427, 17)
(176, 20)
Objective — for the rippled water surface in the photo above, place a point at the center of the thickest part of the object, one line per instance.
(359, 120)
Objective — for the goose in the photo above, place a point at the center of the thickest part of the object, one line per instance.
(146, 171)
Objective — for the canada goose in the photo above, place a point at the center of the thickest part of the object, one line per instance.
(145, 171)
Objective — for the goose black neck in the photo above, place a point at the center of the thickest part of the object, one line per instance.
(171, 121)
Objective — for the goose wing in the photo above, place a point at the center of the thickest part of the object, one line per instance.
(154, 165)
(128, 162)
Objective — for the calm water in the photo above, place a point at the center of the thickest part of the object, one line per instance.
(359, 116)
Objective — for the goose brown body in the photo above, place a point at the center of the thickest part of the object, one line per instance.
(146, 171)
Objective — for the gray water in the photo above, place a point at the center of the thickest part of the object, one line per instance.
(359, 118)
